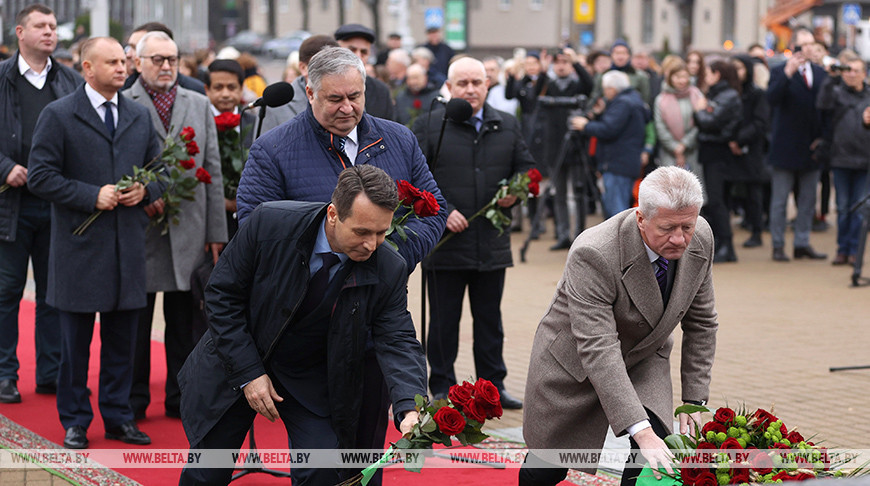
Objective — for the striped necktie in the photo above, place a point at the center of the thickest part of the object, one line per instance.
(662, 274)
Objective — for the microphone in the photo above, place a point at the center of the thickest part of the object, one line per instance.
(458, 110)
(274, 95)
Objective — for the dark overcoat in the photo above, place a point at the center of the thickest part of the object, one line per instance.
(795, 121)
(62, 81)
(251, 299)
(470, 170)
(73, 156)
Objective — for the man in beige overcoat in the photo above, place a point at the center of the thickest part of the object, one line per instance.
(202, 229)
(601, 353)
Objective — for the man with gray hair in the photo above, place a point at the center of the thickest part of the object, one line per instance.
(620, 129)
(601, 353)
(301, 160)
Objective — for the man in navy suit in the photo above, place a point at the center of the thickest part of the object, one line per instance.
(83, 143)
(795, 137)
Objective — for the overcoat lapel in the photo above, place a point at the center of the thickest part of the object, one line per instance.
(87, 113)
(125, 116)
(637, 274)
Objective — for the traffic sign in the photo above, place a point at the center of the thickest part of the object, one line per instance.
(851, 13)
(434, 18)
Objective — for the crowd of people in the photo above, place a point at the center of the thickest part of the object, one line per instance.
(729, 134)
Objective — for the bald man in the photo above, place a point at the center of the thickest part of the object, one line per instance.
(82, 145)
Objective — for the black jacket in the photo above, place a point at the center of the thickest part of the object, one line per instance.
(62, 81)
(379, 103)
(552, 121)
(848, 139)
(751, 134)
(251, 297)
(718, 123)
(470, 170)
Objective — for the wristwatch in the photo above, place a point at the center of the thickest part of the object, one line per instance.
(701, 403)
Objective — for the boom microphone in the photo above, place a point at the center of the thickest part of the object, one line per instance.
(458, 110)
(274, 95)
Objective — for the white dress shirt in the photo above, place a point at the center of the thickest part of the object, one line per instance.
(35, 78)
(97, 101)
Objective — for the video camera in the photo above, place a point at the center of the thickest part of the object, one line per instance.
(573, 102)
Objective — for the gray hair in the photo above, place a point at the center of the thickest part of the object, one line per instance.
(154, 34)
(400, 56)
(670, 188)
(331, 61)
(498, 60)
(617, 80)
(423, 52)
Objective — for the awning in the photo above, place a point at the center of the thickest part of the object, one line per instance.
(786, 9)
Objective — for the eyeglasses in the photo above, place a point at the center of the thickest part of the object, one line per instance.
(158, 60)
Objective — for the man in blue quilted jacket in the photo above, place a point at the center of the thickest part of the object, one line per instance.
(301, 159)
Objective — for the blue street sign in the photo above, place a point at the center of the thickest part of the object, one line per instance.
(434, 18)
(851, 13)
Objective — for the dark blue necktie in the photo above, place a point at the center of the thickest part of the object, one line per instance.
(110, 119)
(318, 284)
(662, 274)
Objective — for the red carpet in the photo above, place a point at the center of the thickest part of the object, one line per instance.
(39, 414)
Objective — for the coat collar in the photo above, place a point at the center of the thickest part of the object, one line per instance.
(86, 112)
(371, 143)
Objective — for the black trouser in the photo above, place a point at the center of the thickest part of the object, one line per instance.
(373, 421)
(446, 292)
(536, 472)
(305, 430)
(715, 175)
(178, 340)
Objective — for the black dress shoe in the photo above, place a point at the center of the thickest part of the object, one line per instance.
(808, 252)
(779, 255)
(76, 438)
(725, 254)
(753, 241)
(47, 388)
(9, 392)
(508, 402)
(561, 245)
(128, 433)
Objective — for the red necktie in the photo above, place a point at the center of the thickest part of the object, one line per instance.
(806, 78)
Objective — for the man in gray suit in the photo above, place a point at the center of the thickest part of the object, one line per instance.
(202, 229)
(601, 353)
(83, 143)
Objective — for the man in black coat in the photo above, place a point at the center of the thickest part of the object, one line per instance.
(291, 302)
(476, 155)
(82, 145)
(29, 80)
(359, 39)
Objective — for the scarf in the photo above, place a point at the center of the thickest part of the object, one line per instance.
(670, 108)
(162, 102)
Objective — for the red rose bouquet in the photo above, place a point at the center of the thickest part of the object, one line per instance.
(415, 202)
(171, 167)
(233, 155)
(522, 185)
(461, 415)
(737, 447)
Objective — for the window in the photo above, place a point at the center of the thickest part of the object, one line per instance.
(619, 11)
(504, 5)
(648, 27)
(283, 6)
(728, 14)
(536, 4)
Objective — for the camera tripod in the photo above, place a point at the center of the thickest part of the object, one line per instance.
(574, 145)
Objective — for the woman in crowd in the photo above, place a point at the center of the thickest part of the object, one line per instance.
(697, 68)
(749, 147)
(673, 116)
(717, 121)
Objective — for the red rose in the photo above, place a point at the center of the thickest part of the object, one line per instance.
(460, 395)
(187, 164)
(764, 417)
(449, 420)
(192, 148)
(426, 205)
(706, 478)
(714, 426)
(802, 476)
(762, 463)
(782, 475)
(418, 104)
(739, 475)
(705, 446)
(535, 175)
(731, 443)
(226, 121)
(475, 410)
(689, 475)
(779, 445)
(534, 189)
(795, 437)
(203, 176)
(408, 194)
(724, 415)
(187, 134)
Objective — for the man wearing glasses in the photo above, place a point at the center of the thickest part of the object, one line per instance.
(202, 230)
(130, 51)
